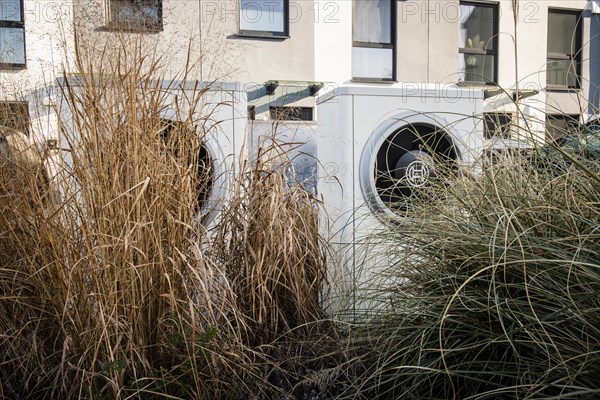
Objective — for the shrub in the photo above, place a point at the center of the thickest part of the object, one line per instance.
(496, 290)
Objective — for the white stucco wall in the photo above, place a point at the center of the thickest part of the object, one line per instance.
(333, 40)
(48, 43)
(319, 46)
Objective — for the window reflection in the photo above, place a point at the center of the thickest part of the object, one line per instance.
(268, 16)
(373, 40)
(12, 34)
(477, 48)
(136, 14)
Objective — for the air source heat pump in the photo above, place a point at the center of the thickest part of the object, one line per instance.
(219, 110)
(378, 146)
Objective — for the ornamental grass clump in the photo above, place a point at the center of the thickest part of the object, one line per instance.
(102, 268)
(496, 289)
(112, 285)
(270, 249)
(274, 260)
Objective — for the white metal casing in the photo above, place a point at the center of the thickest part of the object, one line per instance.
(224, 108)
(354, 120)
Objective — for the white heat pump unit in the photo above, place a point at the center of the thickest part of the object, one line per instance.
(377, 147)
(220, 108)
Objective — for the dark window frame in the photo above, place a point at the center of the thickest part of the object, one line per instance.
(497, 124)
(112, 23)
(486, 52)
(290, 113)
(16, 25)
(370, 45)
(573, 57)
(19, 110)
(571, 121)
(266, 34)
(251, 109)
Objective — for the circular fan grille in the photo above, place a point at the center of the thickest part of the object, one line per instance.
(205, 174)
(407, 161)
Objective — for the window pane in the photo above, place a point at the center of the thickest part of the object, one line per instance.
(10, 10)
(12, 46)
(265, 16)
(137, 13)
(476, 27)
(558, 126)
(497, 124)
(372, 21)
(15, 115)
(291, 113)
(476, 67)
(372, 63)
(561, 32)
(561, 73)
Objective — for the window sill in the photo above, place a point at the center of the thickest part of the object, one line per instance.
(559, 89)
(374, 80)
(259, 36)
(476, 83)
(128, 29)
(13, 67)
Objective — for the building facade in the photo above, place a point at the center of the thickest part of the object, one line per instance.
(538, 62)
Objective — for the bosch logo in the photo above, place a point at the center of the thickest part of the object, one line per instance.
(417, 173)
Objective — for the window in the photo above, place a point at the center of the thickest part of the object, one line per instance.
(291, 113)
(564, 49)
(559, 125)
(478, 43)
(497, 125)
(264, 18)
(15, 115)
(373, 39)
(135, 14)
(251, 113)
(12, 34)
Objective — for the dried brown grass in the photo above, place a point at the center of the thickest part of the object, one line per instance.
(110, 287)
